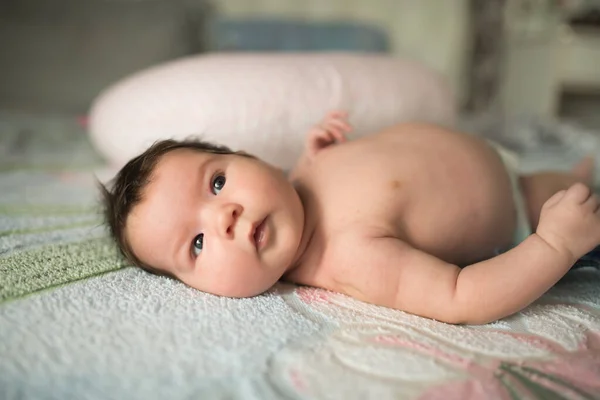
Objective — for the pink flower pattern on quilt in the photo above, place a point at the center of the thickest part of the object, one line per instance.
(551, 350)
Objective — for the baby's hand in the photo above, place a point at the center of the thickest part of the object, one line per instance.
(331, 130)
(570, 221)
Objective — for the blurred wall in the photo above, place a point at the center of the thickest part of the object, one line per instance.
(547, 54)
(56, 55)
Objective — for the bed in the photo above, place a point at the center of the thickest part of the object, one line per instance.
(76, 322)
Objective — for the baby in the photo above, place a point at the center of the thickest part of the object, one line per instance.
(416, 217)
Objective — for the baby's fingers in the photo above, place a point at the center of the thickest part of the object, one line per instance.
(592, 204)
(334, 132)
(337, 115)
(338, 119)
(578, 193)
(338, 135)
(337, 124)
(555, 198)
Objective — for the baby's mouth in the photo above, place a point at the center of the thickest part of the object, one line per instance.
(259, 234)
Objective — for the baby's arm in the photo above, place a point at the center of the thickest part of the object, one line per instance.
(388, 272)
(330, 131)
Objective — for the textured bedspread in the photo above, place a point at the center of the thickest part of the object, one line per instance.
(76, 323)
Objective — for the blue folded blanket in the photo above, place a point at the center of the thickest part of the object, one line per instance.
(292, 35)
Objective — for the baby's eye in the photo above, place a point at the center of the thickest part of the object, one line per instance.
(218, 183)
(197, 244)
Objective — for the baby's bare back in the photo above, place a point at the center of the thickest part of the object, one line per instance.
(445, 193)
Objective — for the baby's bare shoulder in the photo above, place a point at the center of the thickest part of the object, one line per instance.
(360, 193)
(334, 257)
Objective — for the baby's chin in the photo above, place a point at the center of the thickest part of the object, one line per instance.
(241, 288)
(242, 293)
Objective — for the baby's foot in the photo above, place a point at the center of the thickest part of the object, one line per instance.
(584, 170)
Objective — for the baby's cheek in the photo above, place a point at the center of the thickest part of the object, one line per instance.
(238, 275)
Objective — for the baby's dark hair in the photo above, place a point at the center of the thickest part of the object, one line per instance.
(125, 191)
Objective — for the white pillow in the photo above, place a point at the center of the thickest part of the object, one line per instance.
(263, 103)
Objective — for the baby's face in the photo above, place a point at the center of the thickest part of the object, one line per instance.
(224, 224)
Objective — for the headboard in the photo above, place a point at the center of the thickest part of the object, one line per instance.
(432, 31)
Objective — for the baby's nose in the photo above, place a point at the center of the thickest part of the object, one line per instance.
(228, 218)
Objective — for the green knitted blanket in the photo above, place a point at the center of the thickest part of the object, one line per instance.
(51, 230)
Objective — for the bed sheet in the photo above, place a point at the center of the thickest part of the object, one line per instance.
(77, 323)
